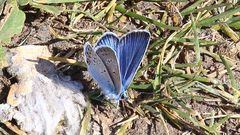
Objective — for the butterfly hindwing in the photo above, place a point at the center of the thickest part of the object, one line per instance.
(99, 72)
(110, 61)
(131, 49)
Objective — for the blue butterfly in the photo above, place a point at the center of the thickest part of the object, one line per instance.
(113, 62)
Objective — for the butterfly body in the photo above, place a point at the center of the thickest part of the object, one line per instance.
(113, 62)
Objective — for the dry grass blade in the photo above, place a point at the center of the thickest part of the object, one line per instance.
(65, 60)
(183, 85)
(233, 35)
(122, 130)
(15, 128)
(125, 124)
(157, 81)
(104, 12)
(86, 120)
(178, 119)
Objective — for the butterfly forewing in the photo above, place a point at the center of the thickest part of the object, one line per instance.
(109, 59)
(98, 70)
(132, 48)
(108, 39)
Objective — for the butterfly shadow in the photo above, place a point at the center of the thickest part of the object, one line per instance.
(49, 70)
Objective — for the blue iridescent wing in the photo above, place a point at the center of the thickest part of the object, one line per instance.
(131, 49)
(109, 59)
(109, 39)
(99, 72)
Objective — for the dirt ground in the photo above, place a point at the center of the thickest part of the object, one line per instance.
(104, 118)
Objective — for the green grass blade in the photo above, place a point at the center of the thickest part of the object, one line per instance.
(230, 73)
(190, 77)
(48, 8)
(212, 20)
(60, 1)
(2, 57)
(161, 25)
(141, 86)
(10, 25)
(208, 89)
(234, 22)
(208, 8)
(216, 126)
(235, 25)
(188, 42)
(196, 42)
(191, 8)
(23, 2)
(165, 0)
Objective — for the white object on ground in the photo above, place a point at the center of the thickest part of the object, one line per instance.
(42, 97)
